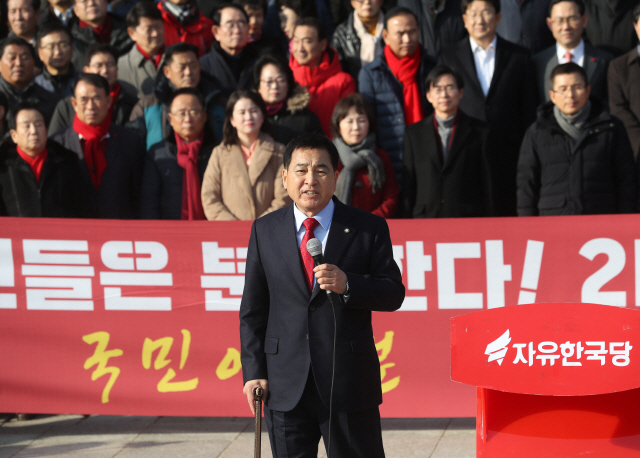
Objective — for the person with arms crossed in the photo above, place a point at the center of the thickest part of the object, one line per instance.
(287, 326)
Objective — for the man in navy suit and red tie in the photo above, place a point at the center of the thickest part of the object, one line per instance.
(286, 319)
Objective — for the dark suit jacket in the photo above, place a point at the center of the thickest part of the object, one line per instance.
(460, 186)
(285, 330)
(624, 94)
(118, 196)
(509, 108)
(595, 64)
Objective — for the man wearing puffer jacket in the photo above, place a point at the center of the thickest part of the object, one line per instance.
(576, 158)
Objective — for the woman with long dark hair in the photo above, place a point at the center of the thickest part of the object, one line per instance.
(243, 180)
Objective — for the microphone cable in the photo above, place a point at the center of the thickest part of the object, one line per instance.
(314, 247)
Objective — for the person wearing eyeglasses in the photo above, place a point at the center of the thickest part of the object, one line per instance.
(576, 158)
(100, 59)
(139, 67)
(285, 100)
(499, 89)
(243, 180)
(174, 168)
(567, 21)
(111, 157)
(445, 162)
(231, 59)
(53, 42)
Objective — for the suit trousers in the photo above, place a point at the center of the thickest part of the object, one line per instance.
(296, 434)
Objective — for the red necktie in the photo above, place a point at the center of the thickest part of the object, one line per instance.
(309, 224)
(568, 56)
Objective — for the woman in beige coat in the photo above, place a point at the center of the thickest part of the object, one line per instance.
(243, 180)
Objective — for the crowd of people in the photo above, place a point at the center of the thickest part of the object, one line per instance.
(181, 109)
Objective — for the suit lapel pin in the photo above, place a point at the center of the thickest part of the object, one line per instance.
(346, 230)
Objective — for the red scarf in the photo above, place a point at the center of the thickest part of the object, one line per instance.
(188, 160)
(406, 70)
(115, 93)
(273, 109)
(35, 163)
(94, 148)
(155, 59)
(102, 32)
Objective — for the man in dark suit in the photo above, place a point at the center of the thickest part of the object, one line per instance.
(624, 88)
(567, 21)
(286, 321)
(500, 89)
(111, 157)
(446, 172)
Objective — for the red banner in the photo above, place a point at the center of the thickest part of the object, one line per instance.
(140, 317)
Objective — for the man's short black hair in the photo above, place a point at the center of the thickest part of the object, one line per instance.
(144, 8)
(313, 22)
(93, 79)
(217, 13)
(578, 3)
(440, 70)
(302, 8)
(179, 48)
(17, 41)
(52, 27)
(26, 105)
(311, 141)
(252, 4)
(100, 48)
(187, 91)
(636, 13)
(568, 69)
(465, 4)
(399, 11)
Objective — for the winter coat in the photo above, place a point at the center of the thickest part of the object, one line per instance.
(150, 117)
(383, 91)
(595, 175)
(214, 65)
(347, 44)
(162, 178)
(230, 191)
(459, 186)
(327, 84)
(139, 72)
(294, 118)
(437, 31)
(524, 22)
(59, 194)
(118, 196)
(64, 112)
(385, 201)
(610, 25)
(45, 81)
(83, 37)
(45, 100)
(197, 33)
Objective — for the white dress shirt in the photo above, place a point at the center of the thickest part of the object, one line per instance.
(485, 60)
(577, 54)
(321, 232)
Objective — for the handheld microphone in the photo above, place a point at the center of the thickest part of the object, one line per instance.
(314, 247)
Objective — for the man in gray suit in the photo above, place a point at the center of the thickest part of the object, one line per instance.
(567, 20)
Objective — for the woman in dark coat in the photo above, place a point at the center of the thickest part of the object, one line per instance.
(367, 180)
(286, 101)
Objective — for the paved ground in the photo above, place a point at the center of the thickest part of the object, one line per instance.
(99, 436)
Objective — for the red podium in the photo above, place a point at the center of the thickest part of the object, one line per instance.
(554, 380)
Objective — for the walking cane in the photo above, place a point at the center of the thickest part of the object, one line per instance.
(258, 404)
